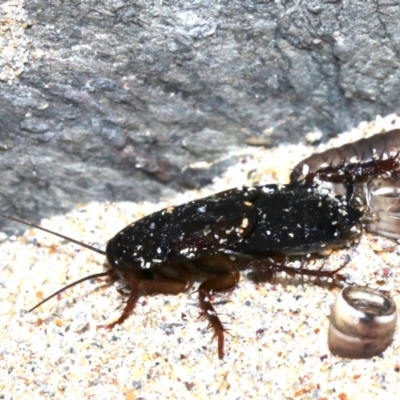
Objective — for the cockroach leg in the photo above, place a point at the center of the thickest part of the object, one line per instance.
(166, 279)
(269, 267)
(228, 277)
(128, 309)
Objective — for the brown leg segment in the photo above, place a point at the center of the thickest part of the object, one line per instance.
(175, 279)
(269, 267)
(227, 279)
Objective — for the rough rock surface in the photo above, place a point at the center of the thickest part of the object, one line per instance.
(114, 99)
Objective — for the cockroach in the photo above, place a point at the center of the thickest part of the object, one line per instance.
(250, 227)
(378, 178)
(377, 146)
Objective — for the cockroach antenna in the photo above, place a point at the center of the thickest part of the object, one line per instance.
(86, 278)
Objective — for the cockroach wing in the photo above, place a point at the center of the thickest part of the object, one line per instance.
(207, 226)
(141, 244)
(200, 227)
(295, 219)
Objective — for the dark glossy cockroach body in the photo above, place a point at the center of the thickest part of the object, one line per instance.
(298, 219)
(257, 223)
(253, 227)
(183, 233)
(254, 224)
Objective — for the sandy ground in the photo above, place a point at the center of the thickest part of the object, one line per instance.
(277, 342)
(15, 47)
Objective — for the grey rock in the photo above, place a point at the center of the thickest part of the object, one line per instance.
(114, 100)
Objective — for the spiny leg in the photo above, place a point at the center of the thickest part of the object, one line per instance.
(269, 267)
(163, 279)
(227, 279)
